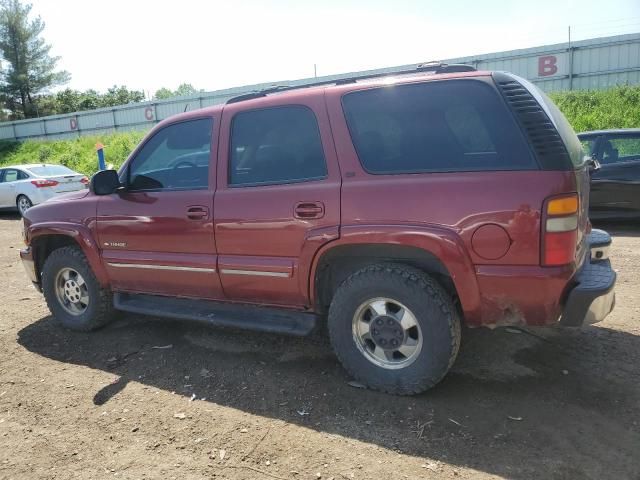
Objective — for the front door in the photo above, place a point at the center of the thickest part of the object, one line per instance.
(277, 201)
(157, 234)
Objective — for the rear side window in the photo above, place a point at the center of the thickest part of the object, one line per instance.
(275, 146)
(620, 149)
(458, 125)
(11, 175)
(587, 145)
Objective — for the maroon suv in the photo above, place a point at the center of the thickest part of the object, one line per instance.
(392, 208)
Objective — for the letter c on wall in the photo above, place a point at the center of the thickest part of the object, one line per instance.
(148, 113)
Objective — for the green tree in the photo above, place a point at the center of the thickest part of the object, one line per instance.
(163, 93)
(185, 89)
(120, 95)
(182, 90)
(29, 70)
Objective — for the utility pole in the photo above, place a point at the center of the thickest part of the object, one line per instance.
(570, 53)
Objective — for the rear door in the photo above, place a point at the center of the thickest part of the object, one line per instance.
(157, 235)
(9, 180)
(615, 188)
(4, 189)
(278, 198)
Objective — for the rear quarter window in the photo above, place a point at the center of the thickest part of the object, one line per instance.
(439, 126)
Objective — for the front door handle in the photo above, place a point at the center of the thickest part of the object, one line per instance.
(197, 213)
(309, 210)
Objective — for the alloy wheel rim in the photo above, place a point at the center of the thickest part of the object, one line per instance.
(387, 333)
(71, 291)
(24, 205)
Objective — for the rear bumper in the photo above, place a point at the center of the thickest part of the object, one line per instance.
(593, 296)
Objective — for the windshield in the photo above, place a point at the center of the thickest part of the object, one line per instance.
(51, 170)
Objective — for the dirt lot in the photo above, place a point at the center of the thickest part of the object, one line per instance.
(553, 404)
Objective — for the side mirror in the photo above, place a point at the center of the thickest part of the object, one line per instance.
(105, 182)
(593, 164)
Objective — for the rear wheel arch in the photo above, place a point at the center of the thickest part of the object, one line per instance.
(338, 263)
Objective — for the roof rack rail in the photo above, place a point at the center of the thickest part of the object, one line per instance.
(435, 67)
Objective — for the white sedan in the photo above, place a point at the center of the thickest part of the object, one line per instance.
(23, 186)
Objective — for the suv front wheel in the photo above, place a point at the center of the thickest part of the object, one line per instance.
(394, 328)
(73, 293)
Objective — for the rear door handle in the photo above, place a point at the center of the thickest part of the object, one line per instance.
(309, 210)
(197, 212)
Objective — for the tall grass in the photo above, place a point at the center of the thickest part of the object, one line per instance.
(618, 107)
(78, 154)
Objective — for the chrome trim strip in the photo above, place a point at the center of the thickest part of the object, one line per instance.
(231, 271)
(162, 267)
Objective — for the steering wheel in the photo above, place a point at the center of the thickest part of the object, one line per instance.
(184, 163)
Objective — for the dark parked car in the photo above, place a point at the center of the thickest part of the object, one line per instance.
(393, 210)
(615, 188)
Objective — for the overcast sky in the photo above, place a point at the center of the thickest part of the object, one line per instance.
(212, 44)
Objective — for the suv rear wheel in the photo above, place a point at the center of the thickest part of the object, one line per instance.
(394, 328)
(73, 293)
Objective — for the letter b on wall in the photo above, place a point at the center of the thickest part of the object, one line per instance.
(547, 65)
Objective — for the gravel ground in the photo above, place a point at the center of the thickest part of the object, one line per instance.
(151, 398)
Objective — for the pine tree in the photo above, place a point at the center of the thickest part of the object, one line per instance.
(27, 69)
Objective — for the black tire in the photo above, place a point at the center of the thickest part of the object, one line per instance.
(23, 200)
(99, 310)
(433, 309)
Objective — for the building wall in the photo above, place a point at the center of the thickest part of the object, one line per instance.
(588, 64)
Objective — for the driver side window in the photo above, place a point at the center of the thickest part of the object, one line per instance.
(175, 158)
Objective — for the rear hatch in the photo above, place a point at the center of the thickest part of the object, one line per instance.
(555, 144)
(580, 170)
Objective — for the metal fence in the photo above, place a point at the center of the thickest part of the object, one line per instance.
(588, 64)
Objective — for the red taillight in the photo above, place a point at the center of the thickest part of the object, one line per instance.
(560, 248)
(41, 182)
(560, 230)
(84, 180)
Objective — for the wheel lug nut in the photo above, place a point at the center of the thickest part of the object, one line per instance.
(379, 321)
(391, 322)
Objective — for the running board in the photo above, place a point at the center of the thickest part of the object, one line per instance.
(250, 317)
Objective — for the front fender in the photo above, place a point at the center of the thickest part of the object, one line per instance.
(440, 242)
(81, 235)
